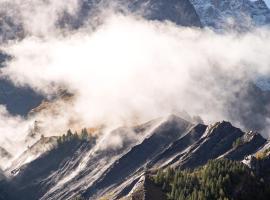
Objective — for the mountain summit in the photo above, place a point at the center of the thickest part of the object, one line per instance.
(240, 14)
(78, 166)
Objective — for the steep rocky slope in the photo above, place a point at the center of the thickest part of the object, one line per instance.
(250, 143)
(32, 180)
(4, 157)
(218, 179)
(237, 14)
(65, 168)
(21, 100)
(89, 169)
(139, 155)
(217, 141)
(42, 146)
(180, 12)
(18, 100)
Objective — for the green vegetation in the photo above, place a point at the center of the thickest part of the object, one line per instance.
(69, 136)
(238, 142)
(217, 180)
(78, 198)
(262, 154)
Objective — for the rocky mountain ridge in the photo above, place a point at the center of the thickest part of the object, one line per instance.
(232, 14)
(69, 166)
(78, 167)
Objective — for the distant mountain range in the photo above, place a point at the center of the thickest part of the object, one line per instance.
(217, 14)
(236, 14)
(79, 166)
(18, 100)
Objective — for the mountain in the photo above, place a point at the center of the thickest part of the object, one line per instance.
(217, 141)
(180, 12)
(263, 83)
(253, 113)
(18, 100)
(237, 14)
(43, 145)
(218, 179)
(195, 13)
(4, 157)
(86, 166)
(10, 29)
(148, 160)
(136, 158)
(218, 14)
(21, 100)
(4, 153)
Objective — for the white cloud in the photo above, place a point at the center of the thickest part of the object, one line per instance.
(130, 66)
(37, 17)
(131, 70)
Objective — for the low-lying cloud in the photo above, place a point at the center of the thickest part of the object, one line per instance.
(128, 70)
(39, 18)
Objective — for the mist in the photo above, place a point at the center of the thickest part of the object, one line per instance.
(127, 70)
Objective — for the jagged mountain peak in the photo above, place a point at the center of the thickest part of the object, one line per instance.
(180, 12)
(41, 146)
(217, 127)
(145, 188)
(4, 157)
(4, 153)
(173, 118)
(251, 135)
(237, 14)
(81, 168)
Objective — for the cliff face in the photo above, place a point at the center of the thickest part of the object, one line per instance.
(237, 14)
(84, 168)
(18, 100)
(180, 12)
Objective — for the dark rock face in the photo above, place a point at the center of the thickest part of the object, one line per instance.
(212, 143)
(248, 147)
(251, 107)
(31, 181)
(237, 14)
(18, 100)
(5, 187)
(175, 150)
(4, 154)
(263, 168)
(3, 190)
(140, 154)
(9, 28)
(219, 139)
(145, 189)
(260, 166)
(168, 142)
(180, 12)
